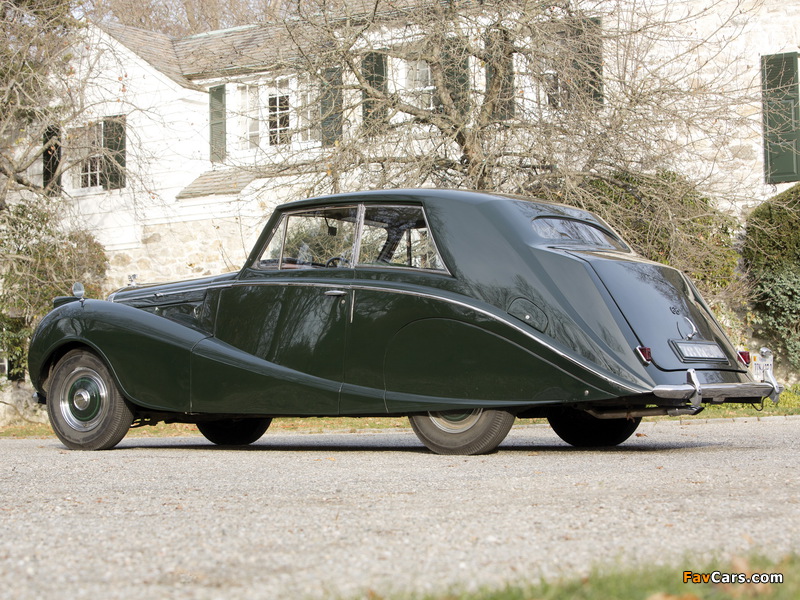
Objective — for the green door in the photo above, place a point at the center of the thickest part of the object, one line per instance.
(280, 328)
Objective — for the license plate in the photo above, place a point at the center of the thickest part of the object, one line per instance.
(761, 366)
(700, 351)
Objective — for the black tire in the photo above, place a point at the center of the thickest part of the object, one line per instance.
(477, 431)
(86, 408)
(234, 432)
(579, 428)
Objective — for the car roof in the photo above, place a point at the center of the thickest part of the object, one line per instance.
(443, 198)
(404, 195)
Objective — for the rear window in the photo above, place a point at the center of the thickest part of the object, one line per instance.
(560, 230)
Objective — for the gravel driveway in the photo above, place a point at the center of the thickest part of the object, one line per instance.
(331, 515)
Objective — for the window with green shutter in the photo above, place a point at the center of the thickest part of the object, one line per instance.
(373, 69)
(781, 102)
(217, 120)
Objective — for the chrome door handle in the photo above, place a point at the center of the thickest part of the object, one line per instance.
(336, 293)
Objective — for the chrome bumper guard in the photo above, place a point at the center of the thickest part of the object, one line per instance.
(695, 393)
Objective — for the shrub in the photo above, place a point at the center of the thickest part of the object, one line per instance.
(38, 261)
(771, 253)
(666, 219)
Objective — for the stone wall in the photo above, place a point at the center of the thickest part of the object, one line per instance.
(183, 250)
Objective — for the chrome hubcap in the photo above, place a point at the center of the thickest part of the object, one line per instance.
(83, 401)
(456, 421)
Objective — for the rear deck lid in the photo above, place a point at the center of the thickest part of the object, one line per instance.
(665, 312)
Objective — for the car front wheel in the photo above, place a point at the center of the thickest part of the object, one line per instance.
(476, 431)
(234, 432)
(86, 409)
(579, 428)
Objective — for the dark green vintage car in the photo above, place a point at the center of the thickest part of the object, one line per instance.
(461, 310)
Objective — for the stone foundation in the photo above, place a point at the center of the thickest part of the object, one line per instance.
(178, 251)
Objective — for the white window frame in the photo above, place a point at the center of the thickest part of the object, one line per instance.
(279, 111)
(419, 83)
(87, 143)
(250, 116)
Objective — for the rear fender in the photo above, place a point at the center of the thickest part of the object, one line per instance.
(457, 364)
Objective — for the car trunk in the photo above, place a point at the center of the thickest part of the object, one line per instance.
(665, 312)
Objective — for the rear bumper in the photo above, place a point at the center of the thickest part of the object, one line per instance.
(695, 393)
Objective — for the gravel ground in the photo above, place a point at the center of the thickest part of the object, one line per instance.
(337, 515)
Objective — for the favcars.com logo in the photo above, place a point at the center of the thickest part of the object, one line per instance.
(720, 577)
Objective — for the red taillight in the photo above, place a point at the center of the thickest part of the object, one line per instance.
(645, 355)
(744, 356)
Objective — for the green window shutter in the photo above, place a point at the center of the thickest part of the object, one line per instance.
(781, 104)
(455, 69)
(331, 107)
(588, 61)
(500, 66)
(217, 120)
(373, 69)
(51, 160)
(113, 166)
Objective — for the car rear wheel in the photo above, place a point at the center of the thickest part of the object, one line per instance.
(86, 408)
(476, 431)
(234, 432)
(579, 428)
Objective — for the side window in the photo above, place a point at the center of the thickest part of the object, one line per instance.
(558, 230)
(398, 236)
(320, 238)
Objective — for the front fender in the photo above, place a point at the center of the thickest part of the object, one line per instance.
(148, 355)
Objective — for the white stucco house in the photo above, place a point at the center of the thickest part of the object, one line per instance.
(188, 121)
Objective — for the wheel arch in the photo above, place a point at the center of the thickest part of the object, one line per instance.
(45, 371)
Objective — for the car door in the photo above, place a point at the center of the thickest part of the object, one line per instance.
(397, 264)
(280, 329)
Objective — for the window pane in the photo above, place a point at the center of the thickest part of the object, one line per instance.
(249, 107)
(271, 257)
(398, 236)
(569, 230)
(313, 239)
(279, 120)
(86, 148)
(419, 83)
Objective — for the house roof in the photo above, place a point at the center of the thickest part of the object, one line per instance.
(252, 48)
(237, 50)
(218, 182)
(155, 48)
